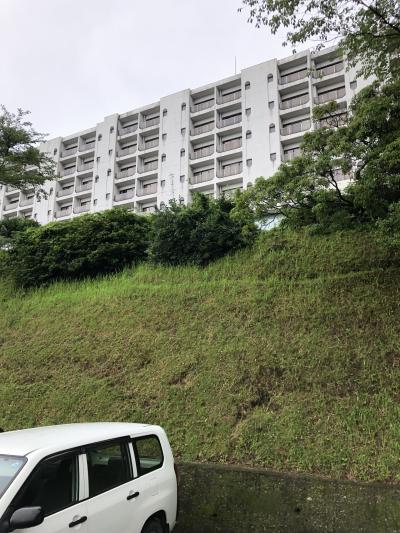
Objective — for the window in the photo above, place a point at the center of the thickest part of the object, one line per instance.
(108, 196)
(247, 85)
(95, 201)
(108, 467)
(110, 152)
(270, 78)
(249, 162)
(248, 134)
(248, 111)
(96, 179)
(162, 183)
(49, 213)
(165, 112)
(162, 206)
(163, 157)
(272, 128)
(54, 485)
(55, 151)
(98, 159)
(183, 107)
(183, 131)
(112, 129)
(272, 156)
(353, 85)
(149, 454)
(182, 179)
(99, 137)
(51, 191)
(183, 152)
(10, 465)
(109, 172)
(164, 136)
(271, 104)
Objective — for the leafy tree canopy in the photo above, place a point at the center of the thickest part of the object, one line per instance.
(22, 165)
(11, 227)
(369, 30)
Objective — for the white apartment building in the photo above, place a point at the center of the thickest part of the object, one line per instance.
(214, 139)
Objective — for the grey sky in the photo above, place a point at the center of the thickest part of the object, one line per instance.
(72, 62)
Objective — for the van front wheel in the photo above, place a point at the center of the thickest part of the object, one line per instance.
(154, 526)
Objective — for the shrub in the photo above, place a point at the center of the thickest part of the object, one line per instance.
(93, 244)
(197, 233)
(10, 227)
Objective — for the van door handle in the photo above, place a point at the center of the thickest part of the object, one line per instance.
(133, 495)
(78, 521)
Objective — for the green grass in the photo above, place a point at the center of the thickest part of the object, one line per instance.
(285, 356)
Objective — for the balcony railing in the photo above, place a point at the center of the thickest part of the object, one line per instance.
(201, 106)
(149, 144)
(203, 128)
(202, 176)
(339, 176)
(229, 121)
(288, 155)
(65, 192)
(224, 98)
(8, 207)
(121, 196)
(82, 209)
(294, 76)
(87, 146)
(125, 173)
(152, 165)
(150, 189)
(26, 202)
(126, 151)
(338, 119)
(63, 212)
(69, 151)
(84, 187)
(124, 130)
(85, 166)
(230, 170)
(202, 152)
(335, 94)
(296, 127)
(10, 188)
(67, 171)
(147, 123)
(326, 71)
(230, 145)
(294, 102)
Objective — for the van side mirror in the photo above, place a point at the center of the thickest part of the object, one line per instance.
(26, 517)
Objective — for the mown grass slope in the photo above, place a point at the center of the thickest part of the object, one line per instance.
(285, 356)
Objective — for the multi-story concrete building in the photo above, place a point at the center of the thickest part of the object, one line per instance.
(213, 139)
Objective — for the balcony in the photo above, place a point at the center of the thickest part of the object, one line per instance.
(202, 176)
(87, 146)
(330, 69)
(63, 212)
(231, 97)
(85, 166)
(82, 208)
(148, 123)
(69, 151)
(296, 127)
(10, 188)
(149, 144)
(126, 151)
(336, 120)
(229, 121)
(230, 170)
(203, 128)
(294, 102)
(288, 155)
(125, 173)
(201, 106)
(121, 196)
(124, 130)
(26, 202)
(202, 152)
(294, 76)
(65, 192)
(232, 144)
(147, 167)
(9, 207)
(334, 94)
(151, 188)
(84, 187)
(67, 171)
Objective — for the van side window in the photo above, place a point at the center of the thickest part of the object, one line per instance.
(54, 485)
(149, 455)
(108, 466)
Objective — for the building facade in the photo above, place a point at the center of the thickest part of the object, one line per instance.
(214, 139)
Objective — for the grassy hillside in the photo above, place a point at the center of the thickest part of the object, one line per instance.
(285, 356)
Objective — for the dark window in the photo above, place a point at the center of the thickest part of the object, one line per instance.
(149, 454)
(112, 129)
(54, 485)
(108, 467)
(247, 85)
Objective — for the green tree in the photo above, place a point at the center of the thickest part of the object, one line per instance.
(366, 146)
(198, 233)
(369, 31)
(11, 227)
(22, 164)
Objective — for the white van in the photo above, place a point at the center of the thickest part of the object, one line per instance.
(91, 478)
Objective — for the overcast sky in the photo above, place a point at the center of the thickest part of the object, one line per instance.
(72, 62)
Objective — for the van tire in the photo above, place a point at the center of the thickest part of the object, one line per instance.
(154, 526)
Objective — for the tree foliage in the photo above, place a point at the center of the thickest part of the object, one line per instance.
(11, 227)
(366, 147)
(369, 30)
(86, 246)
(198, 233)
(22, 164)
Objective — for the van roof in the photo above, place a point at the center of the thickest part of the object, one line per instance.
(65, 436)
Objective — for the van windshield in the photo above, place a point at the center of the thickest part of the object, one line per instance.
(10, 465)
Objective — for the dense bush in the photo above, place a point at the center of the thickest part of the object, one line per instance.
(94, 244)
(197, 233)
(10, 227)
